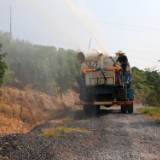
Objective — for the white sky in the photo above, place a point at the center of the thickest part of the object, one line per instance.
(132, 26)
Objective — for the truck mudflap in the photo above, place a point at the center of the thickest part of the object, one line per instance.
(105, 103)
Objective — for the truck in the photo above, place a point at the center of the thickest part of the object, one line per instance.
(101, 83)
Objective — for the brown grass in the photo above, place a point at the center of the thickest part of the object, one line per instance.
(20, 111)
(54, 132)
(4, 158)
(59, 127)
(68, 118)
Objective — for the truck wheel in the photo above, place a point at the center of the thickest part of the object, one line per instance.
(130, 108)
(86, 109)
(97, 107)
(123, 108)
(90, 110)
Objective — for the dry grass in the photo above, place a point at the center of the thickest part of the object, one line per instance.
(20, 111)
(54, 132)
(68, 118)
(58, 121)
(13, 126)
(59, 127)
(4, 158)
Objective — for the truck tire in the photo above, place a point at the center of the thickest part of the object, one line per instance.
(86, 109)
(123, 108)
(90, 110)
(130, 108)
(97, 107)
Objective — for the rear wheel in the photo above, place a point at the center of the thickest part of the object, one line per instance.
(90, 110)
(130, 108)
(97, 107)
(85, 109)
(123, 108)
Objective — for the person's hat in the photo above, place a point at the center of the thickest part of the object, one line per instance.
(120, 52)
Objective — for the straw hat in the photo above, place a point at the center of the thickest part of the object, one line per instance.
(120, 52)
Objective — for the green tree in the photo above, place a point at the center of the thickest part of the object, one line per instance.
(152, 79)
(141, 89)
(8, 76)
(150, 99)
(3, 65)
(44, 67)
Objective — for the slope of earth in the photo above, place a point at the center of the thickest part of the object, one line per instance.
(21, 110)
(113, 136)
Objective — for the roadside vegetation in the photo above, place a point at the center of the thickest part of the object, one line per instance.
(44, 68)
(147, 86)
(35, 81)
(147, 91)
(153, 112)
(3, 66)
(22, 110)
(55, 132)
(59, 129)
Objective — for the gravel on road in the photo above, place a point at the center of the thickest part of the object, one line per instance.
(114, 136)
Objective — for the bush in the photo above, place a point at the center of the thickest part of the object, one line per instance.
(8, 76)
(153, 112)
(150, 99)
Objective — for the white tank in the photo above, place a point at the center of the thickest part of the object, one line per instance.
(97, 77)
(91, 56)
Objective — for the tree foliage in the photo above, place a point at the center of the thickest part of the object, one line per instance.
(146, 84)
(3, 65)
(46, 68)
(140, 88)
(152, 78)
(8, 76)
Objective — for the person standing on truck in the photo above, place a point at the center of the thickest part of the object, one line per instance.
(123, 61)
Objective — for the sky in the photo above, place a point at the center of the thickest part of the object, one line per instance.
(132, 26)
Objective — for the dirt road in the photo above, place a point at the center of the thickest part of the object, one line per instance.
(114, 136)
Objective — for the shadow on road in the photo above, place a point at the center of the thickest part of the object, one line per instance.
(79, 115)
(104, 112)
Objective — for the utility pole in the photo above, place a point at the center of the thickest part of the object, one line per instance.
(10, 24)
